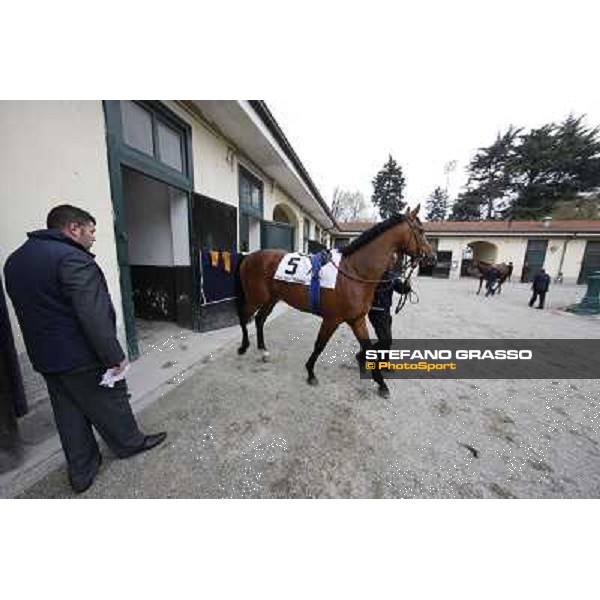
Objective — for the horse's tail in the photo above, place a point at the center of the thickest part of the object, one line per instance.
(240, 296)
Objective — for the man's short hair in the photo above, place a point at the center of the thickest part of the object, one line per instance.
(60, 216)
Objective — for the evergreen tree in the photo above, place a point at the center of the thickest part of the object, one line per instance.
(467, 207)
(490, 172)
(585, 207)
(554, 164)
(524, 175)
(388, 186)
(437, 205)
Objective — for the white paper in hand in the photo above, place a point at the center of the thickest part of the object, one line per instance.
(109, 378)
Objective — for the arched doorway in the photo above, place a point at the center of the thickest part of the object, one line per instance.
(281, 231)
(281, 214)
(477, 251)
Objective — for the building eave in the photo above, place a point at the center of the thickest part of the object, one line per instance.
(250, 128)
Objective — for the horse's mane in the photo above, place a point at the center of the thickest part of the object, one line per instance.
(371, 234)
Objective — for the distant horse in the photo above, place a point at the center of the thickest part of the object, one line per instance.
(485, 267)
(359, 272)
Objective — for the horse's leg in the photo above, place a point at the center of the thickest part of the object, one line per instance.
(261, 317)
(480, 284)
(359, 327)
(245, 341)
(325, 332)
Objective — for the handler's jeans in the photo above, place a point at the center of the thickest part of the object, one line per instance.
(382, 324)
(78, 402)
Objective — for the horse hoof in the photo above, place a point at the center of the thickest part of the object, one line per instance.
(242, 349)
(266, 357)
(384, 392)
(312, 381)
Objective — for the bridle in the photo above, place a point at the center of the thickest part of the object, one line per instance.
(405, 266)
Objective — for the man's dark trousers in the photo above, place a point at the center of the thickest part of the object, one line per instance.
(382, 324)
(78, 402)
(534, 297)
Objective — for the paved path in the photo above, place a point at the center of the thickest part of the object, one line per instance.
(242, 428)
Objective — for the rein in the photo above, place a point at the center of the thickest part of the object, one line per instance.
(414, 264)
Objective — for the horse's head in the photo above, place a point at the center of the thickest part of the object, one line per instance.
(415, 243)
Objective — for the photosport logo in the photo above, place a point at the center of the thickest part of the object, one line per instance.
(486, 359)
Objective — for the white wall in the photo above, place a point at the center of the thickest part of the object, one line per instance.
(180, 227)
(254, 241)
(147, 215)
(55, 153)
(216, 171)
(157, 222)
(573, 259)
(515, 248)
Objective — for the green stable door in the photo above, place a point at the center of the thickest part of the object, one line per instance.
(534, 259)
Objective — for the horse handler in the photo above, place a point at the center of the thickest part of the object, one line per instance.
(67, 318)
(541, 283)
(493, 280)
(379, 314)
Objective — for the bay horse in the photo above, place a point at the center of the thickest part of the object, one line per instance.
(485, 267)
(359, 272)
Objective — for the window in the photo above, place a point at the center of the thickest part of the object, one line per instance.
(251, 194)
(146, 131)
(169, 146)
(137, 127)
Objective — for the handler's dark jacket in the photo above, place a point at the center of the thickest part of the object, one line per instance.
(541, 282)
(384, 292)
(493, 275)
(62, 303)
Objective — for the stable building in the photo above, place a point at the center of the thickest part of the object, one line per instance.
(178, 188)
(569, 251)
(348, 231)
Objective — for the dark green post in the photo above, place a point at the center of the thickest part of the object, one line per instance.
(590, 303)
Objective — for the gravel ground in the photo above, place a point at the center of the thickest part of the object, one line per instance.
(241, 428)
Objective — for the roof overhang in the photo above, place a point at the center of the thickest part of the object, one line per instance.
(249, 134)
(519, 234)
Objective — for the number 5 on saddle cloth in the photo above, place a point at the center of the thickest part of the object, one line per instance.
(315, 271)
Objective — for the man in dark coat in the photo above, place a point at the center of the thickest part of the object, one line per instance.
(541, 283)
(62, 302)
(510, 267)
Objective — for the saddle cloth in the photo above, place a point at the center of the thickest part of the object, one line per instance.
(297, 268)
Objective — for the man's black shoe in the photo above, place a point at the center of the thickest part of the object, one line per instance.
(79, 489)
(150, 441)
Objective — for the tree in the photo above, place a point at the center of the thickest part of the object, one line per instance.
(467, 207)
(524, 175)
(555, 164)
(347, 206)
(533, 172)
(490, 172)
(388, 186)
(580, 208)
(437, 205)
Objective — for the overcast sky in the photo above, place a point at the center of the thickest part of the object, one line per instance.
(456, 87)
